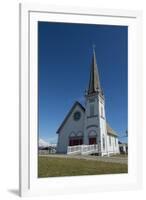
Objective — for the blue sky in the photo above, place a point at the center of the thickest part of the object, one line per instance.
(64, 60)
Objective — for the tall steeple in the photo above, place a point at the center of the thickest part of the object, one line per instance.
(94, 82)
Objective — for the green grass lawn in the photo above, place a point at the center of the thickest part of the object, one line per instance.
(51, 167)
(120, 155)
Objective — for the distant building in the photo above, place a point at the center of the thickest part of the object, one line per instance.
(85, 129)
(123, 148)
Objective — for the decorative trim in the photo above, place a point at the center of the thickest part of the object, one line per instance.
(95, 133)
(92, 116)
(75, 137)
(72, 133)
(79, 133)
(92, 125)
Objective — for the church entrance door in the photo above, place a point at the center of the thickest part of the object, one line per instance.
(92, 140)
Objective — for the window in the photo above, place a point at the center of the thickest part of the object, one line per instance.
(75, 141)
(110, 140)
(91, 109)
(103, 140)
(115, 141)
(77, 116)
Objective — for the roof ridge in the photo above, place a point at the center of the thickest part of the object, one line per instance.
(69, 113)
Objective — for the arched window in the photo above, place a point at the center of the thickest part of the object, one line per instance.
(115, 141)
(110, 140)
(92, 137)
(103, 141)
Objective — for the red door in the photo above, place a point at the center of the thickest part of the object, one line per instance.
(75, 142)
(92, 140)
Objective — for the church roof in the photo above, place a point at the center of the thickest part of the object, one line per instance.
(69, 113)
(110, 131)
(94, 82)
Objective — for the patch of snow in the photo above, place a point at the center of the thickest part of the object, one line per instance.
(43, 143)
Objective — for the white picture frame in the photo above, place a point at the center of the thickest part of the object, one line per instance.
(29, 184)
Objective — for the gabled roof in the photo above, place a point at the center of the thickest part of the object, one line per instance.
(110, 131)
(69, 113)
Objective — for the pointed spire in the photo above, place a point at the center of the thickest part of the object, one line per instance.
(94, 83)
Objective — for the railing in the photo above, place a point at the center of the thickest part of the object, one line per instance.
(82, 149)
(89, 149)
(74, 149)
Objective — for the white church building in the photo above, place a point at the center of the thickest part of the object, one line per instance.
(85, 129)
